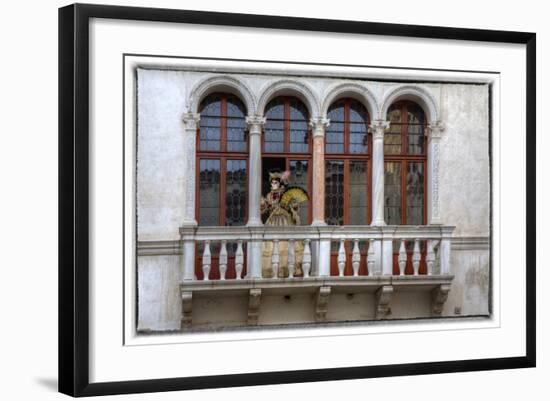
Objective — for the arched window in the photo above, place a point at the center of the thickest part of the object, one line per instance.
(405, 166)
(347, 164)
(287, 146)
(347, 177)
(222, 161)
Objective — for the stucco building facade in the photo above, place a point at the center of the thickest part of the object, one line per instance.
(397, 225)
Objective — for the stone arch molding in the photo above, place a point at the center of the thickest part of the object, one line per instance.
(354, 90)
(221, 83)
(415, 93)
(287, 86)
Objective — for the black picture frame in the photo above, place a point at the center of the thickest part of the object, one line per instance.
(74, 194)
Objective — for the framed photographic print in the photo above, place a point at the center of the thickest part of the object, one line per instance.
(249, 199)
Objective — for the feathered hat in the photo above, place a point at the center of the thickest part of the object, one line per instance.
(283, 177)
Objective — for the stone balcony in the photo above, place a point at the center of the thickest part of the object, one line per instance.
(348, 273)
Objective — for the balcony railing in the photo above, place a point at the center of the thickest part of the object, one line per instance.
(321, 259)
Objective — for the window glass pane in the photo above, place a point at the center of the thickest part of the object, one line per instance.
(274, 127)
(299, 177)
(236, 125)
(334, 135)
(236, 191)
(210, 124)
(392, 138)
(415, 139)
(415, 193)
(209, 192)
(334, 192)
(415, 114)
(299, 142)
(357, 193)
(392, 192)
(358, 142)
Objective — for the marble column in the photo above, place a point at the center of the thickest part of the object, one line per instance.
(190, 121)
(434, 131)
(318, 126)
(255, 125)
(378, 128)
(254, 246)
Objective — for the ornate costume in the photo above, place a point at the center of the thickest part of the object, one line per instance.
(281, 205)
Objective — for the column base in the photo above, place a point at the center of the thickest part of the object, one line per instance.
(188, 223)
(318, 223)
(254, 223)
(378, 223)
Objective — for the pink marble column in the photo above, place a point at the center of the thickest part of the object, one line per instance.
(318, 126)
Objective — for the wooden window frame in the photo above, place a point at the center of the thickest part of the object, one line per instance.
(293, 156)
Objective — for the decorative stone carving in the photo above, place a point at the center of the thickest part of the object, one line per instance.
(383, 298)
(321, 305)
(254, 300)
(190, 121)
(255, 124)
(417, 93)
(439, 297)
(351, 89)
(318, 126)
(434, 132)
(186, 309)
(222, 83)
(285, 86)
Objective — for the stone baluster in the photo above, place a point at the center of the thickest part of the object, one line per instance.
(291, 258)
(416, 257)
(430, 257)
(402, 258)
(371, 257)
(306, 259)
(206, 260)
(275, 259)
(356, 257)
(378, 128)
(318, 126)
(341, 258)
(223, 260)
(239, 260)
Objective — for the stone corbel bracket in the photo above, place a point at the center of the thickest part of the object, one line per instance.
(383, 298)
(321, 305)
(439, 297)
(254, 300)
(186, 309)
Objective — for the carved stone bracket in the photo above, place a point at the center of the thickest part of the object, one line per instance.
(254, 300)
(383, 298)
(186, 309)
(321, 306)
(439, 297)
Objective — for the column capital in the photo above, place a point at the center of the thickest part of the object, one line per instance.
(435, 129)
(378, 128)
(319, 124)
(255, 124)
(191, 120)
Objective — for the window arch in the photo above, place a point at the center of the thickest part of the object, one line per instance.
(287, 145)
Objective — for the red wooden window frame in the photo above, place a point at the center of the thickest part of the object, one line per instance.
(287, 154)
(403, 159)
(347, 157)
(223, 156)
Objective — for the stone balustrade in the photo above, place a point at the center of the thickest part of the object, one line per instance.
(370, 246)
